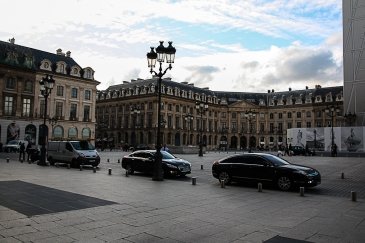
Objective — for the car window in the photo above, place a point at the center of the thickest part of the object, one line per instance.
(167, 155)
(276, 161)
(262, 161)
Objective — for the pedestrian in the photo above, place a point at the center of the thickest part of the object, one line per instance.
(335, 150)
(29, 150)
(165, 148)
(22, 152)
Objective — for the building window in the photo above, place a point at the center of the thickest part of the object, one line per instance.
(319, 124)
(59, 91)
(150, 107)
(234, 115)
(299, 114)
(73, 111)
(177, 123)
(87, 94)
(309, 124)
(177, 108)
(74, 93)
(169, 107)
(28, 86)
(149, 120)
(271, 127)
(262, 127)
(280, 127)
(309, 114)
(223, 115)
(184, 109)
(86, 113)
(72, 132)
(319, 113)
(289, 114)
(10, 83)
(290, 125)
(9, 103)
(26, 107)
(299, 124)
(280, 115)
(75, 71)
(86, 132)
(271, 116)
(59, 107)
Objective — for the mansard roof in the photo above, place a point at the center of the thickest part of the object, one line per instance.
(20, 53)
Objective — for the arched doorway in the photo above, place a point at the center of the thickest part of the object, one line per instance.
(252, 142)
(177, 139)
(233, 142)
(243, 142)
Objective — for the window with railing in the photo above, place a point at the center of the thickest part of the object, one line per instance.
(73, 112)
(26, 107)
(8, 105)
(86, 113)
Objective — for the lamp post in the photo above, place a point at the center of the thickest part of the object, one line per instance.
(249, 115)
(332, 112)
(162, 53)
(201, 108)
(188, 118)
(46, 86)
(135, 110)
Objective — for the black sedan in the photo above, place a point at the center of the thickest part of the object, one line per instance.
(143, 161)
(265, 168)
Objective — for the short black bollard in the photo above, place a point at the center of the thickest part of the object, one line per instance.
(109, 171)
(118, 161)
(342, 175)
(68, 166)
(259, 187)
(353, 196)
(94, 169)
(202, 167)
(7, 160)
(80, 167)
(193, 181)
(301, 191)
(223, 184)
(126, 173)
(107, 160)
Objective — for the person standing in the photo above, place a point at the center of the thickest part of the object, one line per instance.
(22, 152)
(29, 150)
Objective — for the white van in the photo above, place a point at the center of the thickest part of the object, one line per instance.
(76, 153)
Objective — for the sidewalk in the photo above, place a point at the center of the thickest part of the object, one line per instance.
(174, 210)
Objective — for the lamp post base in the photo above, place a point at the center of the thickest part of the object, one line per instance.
(200, 150)
(43, 161)
(158, 172)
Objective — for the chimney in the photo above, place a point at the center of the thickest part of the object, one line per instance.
(68, 54)
(289, 89)
(59, 51)
(272, 91)
(306, 87)
(268, 91)
(12, 40)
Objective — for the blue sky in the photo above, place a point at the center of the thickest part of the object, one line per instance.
(246, 45)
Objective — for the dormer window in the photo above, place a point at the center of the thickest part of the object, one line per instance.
(75, 71)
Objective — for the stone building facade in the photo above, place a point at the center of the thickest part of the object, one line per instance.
(127, 114)
(71, 104)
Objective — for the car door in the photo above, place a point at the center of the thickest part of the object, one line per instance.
(136, 161)
(261, 169)
(239, 167)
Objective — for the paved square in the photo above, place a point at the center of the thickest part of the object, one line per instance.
(31, 199)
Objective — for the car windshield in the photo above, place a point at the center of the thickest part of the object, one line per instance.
(167, 155)
(276, 160)
(13, 142)
(82, 145)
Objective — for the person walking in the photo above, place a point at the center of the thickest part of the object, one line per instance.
(29, 150)
(22, 152)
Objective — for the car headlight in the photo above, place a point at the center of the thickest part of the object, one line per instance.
(171, 166)
(82, 155)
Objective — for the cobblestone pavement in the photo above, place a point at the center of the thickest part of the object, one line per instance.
(176, 211)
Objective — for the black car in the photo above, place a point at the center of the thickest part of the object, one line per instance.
(299, 150)
(265, 168)
(143, 161)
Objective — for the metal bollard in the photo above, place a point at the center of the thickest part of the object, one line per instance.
(259, 187)
(223, 184)
(126, 173)
(94, 169)
(342, 175)
(193, 181)
(353, 196)
(118, 161)
(202, 167)
(107, 160)
(68, 166)
(7, 160)
(80, 167)
(109, 171)
(301, 191)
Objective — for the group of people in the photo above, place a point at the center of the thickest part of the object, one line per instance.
(23, 150)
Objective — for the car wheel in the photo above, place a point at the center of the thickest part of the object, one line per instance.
(129, 169)
(284, 183)
(224, 176)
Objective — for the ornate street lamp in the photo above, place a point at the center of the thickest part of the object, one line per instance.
(201, 108)
(135, 110)
(332, 112)
(188, 118)
(162, 54)
(46, 86)
(249, 115)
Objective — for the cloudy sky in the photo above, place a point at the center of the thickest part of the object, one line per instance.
(226, 45)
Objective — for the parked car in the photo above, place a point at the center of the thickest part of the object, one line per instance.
(299, 150)
(141, 147)
(14, 145)
(266, 168)
(143, 161)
